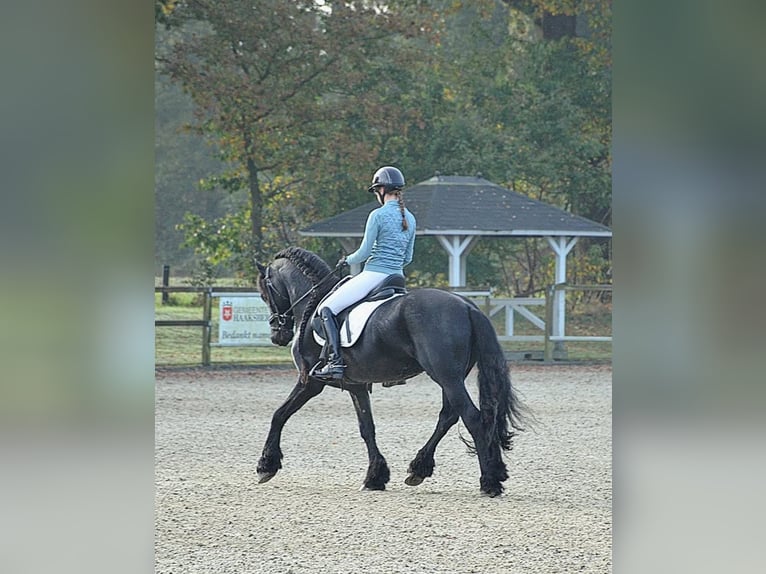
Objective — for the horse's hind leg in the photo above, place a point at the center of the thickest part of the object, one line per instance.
(422, 466)
(271, 457)
(493, 471)
(377, 468)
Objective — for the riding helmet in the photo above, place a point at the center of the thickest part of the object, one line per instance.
(389, 177)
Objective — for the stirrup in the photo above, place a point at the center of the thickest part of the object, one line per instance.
(329, 370)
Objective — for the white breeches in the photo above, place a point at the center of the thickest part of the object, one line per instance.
(353, 290)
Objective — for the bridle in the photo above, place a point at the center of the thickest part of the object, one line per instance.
(279, 320)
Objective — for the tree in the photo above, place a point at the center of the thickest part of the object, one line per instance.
(268, 78)
(182, 159)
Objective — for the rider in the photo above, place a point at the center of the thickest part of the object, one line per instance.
(389, 239)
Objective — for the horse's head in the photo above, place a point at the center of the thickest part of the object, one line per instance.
(291, 284)
(276, 295)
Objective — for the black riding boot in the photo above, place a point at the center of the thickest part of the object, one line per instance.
(334, 367)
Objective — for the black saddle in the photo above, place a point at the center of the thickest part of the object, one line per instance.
(391, 285)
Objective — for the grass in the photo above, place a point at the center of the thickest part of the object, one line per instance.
(182, 346)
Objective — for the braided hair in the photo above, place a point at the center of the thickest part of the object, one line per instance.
(400, 199)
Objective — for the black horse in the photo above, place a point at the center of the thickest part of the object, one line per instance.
(427, 330)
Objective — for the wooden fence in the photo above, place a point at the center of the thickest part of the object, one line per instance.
(491, 306)
(207, 312)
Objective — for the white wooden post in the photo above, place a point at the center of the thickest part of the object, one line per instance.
(561, 247)
(457, 247)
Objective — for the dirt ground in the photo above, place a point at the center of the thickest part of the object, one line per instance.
(212, 515)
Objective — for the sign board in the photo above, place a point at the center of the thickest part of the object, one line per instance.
(243, 319)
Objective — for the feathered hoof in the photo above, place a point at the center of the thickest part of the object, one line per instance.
(265, 476)
(413, 480)
(492, 492)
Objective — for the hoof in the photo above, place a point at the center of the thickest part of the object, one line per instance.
(492, 493)
(413, 480)
(265, 476)
(365, 487)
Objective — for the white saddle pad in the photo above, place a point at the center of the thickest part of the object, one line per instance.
(353, 326)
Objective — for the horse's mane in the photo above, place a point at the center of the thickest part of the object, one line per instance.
(309, 263)
(315, 269)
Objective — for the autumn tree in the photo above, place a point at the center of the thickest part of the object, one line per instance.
(272, 81)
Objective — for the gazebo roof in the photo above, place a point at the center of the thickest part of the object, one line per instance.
(462, 205)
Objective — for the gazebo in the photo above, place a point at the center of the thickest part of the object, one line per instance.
(458, 210)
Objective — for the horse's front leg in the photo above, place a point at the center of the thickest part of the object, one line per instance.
(271, 458)
(377, 469)
(422, 466)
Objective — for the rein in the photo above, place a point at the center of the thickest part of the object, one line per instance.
(282, 318)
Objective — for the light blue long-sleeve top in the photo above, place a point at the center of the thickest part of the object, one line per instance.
(386, 247)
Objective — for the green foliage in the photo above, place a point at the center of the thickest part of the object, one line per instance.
(560, 129)
(223, 241)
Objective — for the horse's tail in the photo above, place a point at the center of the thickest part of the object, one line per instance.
(501, 410)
